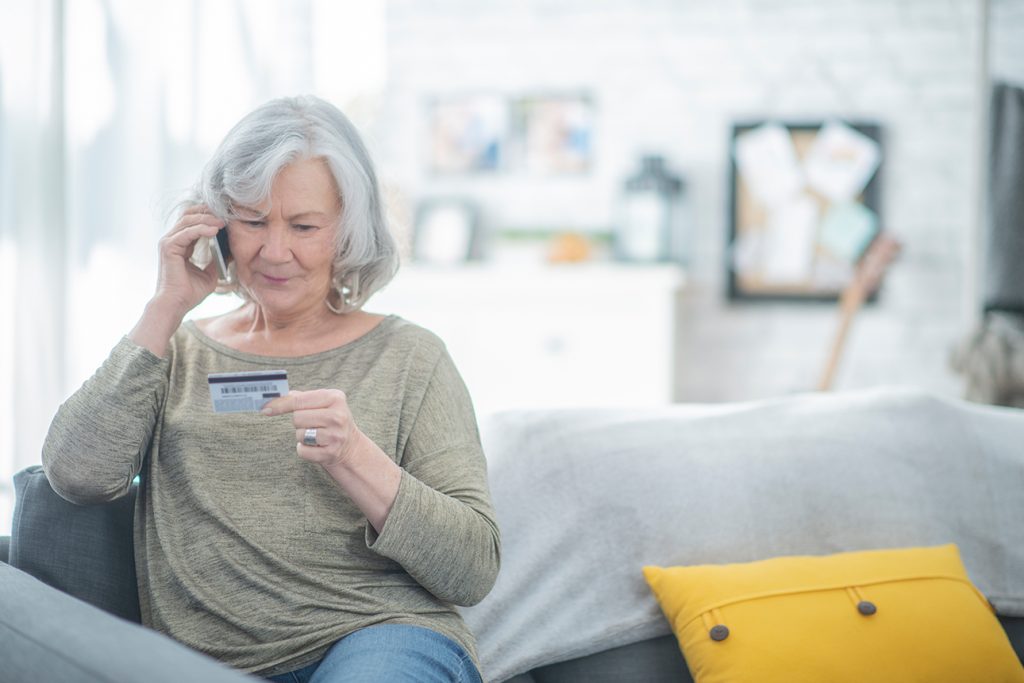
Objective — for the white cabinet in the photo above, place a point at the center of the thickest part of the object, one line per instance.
(554, 336)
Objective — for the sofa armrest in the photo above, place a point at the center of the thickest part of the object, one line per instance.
(84, 550)
(5, 548)
(46, 635)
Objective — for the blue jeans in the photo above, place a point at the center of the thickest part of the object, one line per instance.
(389, 653)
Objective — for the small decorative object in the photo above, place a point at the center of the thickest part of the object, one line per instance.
(569, 247)
(650, 226)
(446, 232)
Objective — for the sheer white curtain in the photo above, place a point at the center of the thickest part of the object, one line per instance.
(108, 109)
(32, 255)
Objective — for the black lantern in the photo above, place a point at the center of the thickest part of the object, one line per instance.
(651, 214)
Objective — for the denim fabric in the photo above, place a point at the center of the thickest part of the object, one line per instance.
(389, 653)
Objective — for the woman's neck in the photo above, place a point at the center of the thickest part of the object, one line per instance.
(251, 330)
(257, 323)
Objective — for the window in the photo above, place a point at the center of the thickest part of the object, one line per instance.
(108, 111)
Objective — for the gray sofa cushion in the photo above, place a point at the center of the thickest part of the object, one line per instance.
(84, 550)
(656, 660)
(46, 635)
(5, 548)
(1014, 627)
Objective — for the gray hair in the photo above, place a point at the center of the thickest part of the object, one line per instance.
(289, 129)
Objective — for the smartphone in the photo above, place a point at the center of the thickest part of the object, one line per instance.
(221, 254)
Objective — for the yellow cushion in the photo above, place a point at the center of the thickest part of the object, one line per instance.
(880, 615)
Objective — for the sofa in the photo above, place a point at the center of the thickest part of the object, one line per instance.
(586, 498)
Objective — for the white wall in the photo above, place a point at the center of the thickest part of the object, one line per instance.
(1006, 38)
(672, 76)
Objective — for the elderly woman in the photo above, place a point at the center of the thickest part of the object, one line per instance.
(329, 536)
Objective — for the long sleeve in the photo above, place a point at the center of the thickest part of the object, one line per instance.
(99, 436)
(246, 551)
(442, 527)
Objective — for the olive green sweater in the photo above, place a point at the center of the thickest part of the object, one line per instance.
(254, 556)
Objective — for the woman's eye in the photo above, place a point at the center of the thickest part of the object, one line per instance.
(305, 228)
(255, 224)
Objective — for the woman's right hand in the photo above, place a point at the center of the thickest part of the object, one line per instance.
(180, 284)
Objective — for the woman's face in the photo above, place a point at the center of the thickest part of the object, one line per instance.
(284, 248)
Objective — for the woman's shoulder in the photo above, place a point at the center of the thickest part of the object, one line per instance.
(407, 333)
(187, 340)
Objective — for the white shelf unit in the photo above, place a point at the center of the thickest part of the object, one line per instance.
(548, 336)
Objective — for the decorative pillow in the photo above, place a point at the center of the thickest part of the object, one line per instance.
(878, 615)
(84, 550)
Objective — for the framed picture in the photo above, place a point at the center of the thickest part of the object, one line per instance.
(553, 134)
(468, 134)
(804, 207)
(446, 232)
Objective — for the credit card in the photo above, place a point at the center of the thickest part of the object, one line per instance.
(246, 392)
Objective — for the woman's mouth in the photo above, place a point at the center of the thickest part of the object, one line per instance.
(275, 280)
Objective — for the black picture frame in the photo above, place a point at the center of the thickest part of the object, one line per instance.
(739, 290)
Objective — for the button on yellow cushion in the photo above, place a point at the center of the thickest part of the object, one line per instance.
(901, 615)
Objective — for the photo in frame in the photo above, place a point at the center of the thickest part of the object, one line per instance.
(804, 206)
(553, 134)
(468, 133)
(446, 231)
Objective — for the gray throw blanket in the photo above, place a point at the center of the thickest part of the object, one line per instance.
(585, 498)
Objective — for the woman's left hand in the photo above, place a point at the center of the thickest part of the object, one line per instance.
(358, 465)
(327, 412)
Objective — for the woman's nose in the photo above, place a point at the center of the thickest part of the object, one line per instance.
(276, 247)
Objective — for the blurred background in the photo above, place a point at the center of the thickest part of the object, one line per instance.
(600, 202)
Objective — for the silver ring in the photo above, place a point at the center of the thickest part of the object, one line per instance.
(309, 438)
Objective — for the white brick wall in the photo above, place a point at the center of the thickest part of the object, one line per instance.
(672, 75)
(1007, 40)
